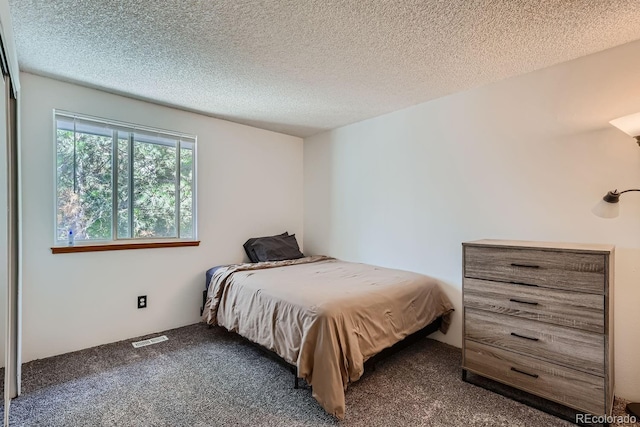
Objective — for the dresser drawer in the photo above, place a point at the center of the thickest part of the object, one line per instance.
(576, 310)
(580, 350)
(583, 272)
(567, 386)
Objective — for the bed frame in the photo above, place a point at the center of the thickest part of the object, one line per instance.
(369, 365)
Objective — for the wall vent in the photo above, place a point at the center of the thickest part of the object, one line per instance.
(150, 341)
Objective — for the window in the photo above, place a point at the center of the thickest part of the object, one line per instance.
(118, 181)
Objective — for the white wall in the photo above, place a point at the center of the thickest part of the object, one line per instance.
(249, 183)
(525, 158)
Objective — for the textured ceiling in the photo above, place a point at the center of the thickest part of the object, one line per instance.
(304, 66)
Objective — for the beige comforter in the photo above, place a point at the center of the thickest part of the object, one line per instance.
(325, 316)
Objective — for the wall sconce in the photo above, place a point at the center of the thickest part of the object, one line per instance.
(608, 207)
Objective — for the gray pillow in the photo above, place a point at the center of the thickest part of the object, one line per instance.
(277, 248)
(248, 243)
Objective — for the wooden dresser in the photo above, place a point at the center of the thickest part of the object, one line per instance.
(538, 316)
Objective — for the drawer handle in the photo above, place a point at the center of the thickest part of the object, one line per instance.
(525, 337)
(515, 264)
(523, 284)
(523, 372)
(523, 302)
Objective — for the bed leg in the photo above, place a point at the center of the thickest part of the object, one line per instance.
(295, 383)
(464, 375)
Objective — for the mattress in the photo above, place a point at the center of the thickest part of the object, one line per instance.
(209, 274)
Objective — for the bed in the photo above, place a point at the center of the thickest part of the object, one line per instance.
(324, 316)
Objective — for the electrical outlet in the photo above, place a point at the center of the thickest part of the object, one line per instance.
(142, 301)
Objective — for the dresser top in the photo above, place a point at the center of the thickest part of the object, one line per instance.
(576, 247)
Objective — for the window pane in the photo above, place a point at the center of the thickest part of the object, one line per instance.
(123, 186)
(186, 190)
(84, 197)
(154, 189)
(66, 197)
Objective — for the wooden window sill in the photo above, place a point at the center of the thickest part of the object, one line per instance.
(122, 246)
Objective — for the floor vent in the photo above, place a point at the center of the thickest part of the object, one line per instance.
(150, 341)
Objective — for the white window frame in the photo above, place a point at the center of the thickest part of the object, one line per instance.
(130, 128)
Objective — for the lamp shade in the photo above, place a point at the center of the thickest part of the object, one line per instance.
(606, 210)
(628, 124)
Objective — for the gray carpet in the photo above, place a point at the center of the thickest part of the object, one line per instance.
(208, 377)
